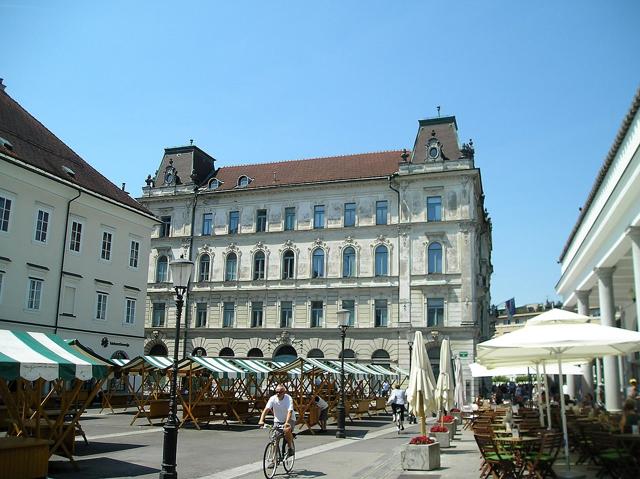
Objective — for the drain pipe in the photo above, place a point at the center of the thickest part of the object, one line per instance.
(390, 179)
(187, 310)
(64, 246)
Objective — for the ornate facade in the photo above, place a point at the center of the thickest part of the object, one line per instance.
(401, 239)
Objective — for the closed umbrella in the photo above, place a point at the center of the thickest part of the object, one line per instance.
(459, 393)
(563, 335)
(444, 385)
(420, 392)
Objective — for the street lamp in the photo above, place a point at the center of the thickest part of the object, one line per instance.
(343, 324)
(180, 273)
(410, 337)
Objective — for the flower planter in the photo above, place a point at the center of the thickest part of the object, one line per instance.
(452, 428)
(458, 416)
(420, 457)
(443, 438)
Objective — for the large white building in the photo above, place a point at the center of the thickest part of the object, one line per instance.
(401, 239)
(74, 248)
(600, 262)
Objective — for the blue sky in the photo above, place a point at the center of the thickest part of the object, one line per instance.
(541, 87)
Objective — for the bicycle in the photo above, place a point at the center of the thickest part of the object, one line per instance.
(397, 419)
(275, 453)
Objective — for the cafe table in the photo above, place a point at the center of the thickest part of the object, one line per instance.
(520, 447)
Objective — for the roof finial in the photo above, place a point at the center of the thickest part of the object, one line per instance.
(438, 108)
(191, 141)
(404, 155)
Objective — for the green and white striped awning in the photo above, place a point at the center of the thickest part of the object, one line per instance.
(221, 368)
(32, 355)
(399, 371)
(294, 368)
(147, 363)
(349, 368)
(381, 369)
(255, 366)
(120, 362)
(366, 369)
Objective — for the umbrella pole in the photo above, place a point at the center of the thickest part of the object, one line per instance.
(423, 427)
(563, 412)
(538, 386)
(546, 394)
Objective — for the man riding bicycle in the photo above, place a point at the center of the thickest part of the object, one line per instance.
(398, 399)
(281, 405)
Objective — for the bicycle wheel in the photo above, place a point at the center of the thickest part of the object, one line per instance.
(270, 460)
(288, 460)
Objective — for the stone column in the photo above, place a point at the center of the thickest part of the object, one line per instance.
(634, 234)
(587, 369)
(612, 399)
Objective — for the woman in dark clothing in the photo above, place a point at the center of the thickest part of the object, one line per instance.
(629, 417)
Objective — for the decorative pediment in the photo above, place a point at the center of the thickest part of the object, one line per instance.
(289, 245)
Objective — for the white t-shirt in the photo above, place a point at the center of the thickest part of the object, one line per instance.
(280, 407)
(322, 404)
(397, 396)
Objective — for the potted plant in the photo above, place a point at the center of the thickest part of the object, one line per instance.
(441, 434)
(450, 422)
(421, 454)
(455, 412)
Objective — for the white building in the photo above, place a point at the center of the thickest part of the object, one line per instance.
(600, 262)
(74, 248)
(399, 239)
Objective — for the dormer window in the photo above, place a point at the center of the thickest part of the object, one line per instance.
(243, 181)
(214, 184)
(433, 149)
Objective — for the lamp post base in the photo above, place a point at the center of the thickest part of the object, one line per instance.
(341, 433)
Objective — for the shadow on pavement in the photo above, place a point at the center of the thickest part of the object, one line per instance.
(305, 473)
(94, 448)
(98, 468)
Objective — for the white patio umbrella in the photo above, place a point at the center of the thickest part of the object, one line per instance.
(459, 392)
(444, 385)
(479, 371)
(563, 335)
(420, 392)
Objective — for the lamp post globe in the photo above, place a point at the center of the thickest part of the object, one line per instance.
(410, 339)
(343, 324)
(181, 270)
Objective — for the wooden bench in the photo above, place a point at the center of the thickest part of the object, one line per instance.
(23, 457)
(378, 405)
(158, 409)
(360, 407)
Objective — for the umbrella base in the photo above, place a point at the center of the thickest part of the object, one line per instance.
(564, 473)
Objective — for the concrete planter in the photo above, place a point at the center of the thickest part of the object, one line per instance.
(458, 416)
(420, 457)
(443, 438)
(452, 428)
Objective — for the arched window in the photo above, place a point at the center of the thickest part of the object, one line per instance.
(214, 184)
(348, 354)
(317, 267)
(120, 354)
(288, 264)
(348, 262)
(315, 353)
(258, 265)
(255, 353)
(199, 352)
(285, 353)
(434, 253)
(204, 267)
(227, 352)
(382, 261)
(380, 356)
(158, 350)
(231, 267)
(162, 269)
(243, 181)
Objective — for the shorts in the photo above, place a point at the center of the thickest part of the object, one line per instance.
(323, 414)
(292, 423)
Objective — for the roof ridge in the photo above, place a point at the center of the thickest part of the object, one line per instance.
(312, 159)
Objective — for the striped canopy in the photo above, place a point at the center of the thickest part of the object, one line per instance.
(147, 362)
(221, 368)
(120, 362)
(255, 366)
(32, 355)
(293, 368)
(381, 369)
(349, 368)
(367, 369)
(399, 371)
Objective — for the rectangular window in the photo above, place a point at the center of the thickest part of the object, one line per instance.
(207, 224)
(201, 315)
(5, 212)
(76, 236)
(42, 226)
(69, 301)
(349, 214)
(381, 212)
(316, 314)
(105, 250)
(256, 314)
(289, 219)
(157, 318)
(134, 253)
(434, 208)
(318, 216)
(228, 314)
(101, 306)
(435, 312)
(261, 220)
(350, 305)
(130, 311)
(234, 221)
(258, 265)
(381, 313)
(286, 314)
(165, 226)
(35, 294)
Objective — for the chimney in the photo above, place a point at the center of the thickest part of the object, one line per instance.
(2, 85)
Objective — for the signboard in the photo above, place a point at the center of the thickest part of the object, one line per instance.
(463, 354)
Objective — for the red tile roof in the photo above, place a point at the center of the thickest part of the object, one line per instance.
(34, 144)
(316, 170)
